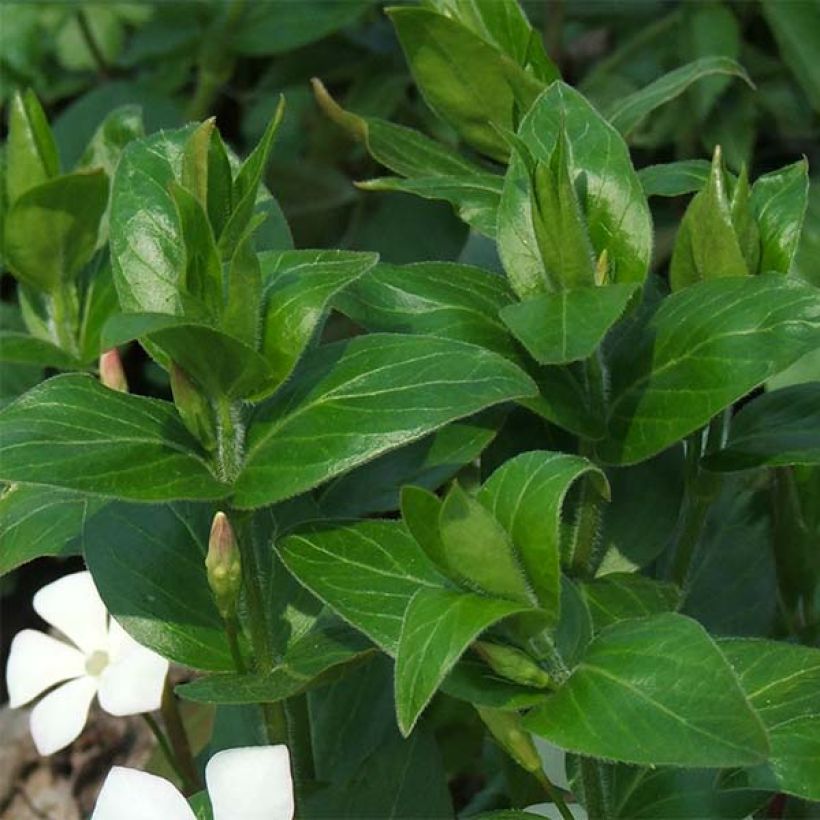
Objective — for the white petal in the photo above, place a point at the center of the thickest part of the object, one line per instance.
(132, 683)
(129, 794)
(73, 605)
(59, 717)
(551, 810)
(554, 762)
(253, 783)
(36, 662)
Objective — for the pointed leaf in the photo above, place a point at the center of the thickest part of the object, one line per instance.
(438, 627)
(654, 691)
(21, 348)
(686, 176)
(354, 400)
(703, 349)
(623, 595)
(568, 325)
(72, 432)
(32, 157)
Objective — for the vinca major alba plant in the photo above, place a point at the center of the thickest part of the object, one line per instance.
(564, 501)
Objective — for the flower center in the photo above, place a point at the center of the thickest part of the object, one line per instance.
(96, 662)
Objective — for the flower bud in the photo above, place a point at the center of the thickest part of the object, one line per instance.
(223, 565)
(111, 373)
(507, 729)
(193, 407)
(512, 664)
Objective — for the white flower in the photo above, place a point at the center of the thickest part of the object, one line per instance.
(104, 661)
(252, 783)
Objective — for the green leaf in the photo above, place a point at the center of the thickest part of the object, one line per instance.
(525, 495)
(654, 691)
(141, 557)
(35, 522)
(72, 432)
(477, 549)
(21, 348)
(475, 683)
(796, 28)
(779, 200)
(120, 126)
(623, 595)
(438, 627)
(707, 245)
(686, 176)
(304, 665)
(297, 287)
(429, 462)
(775, 430)
(614, 206)
(51, 229)
(565, 399)
(464, 79)
(404, 387)
(421, 511)
(220, 364)
(433, 298)
(630, 111)
(475, 198)
(782, 683)
(31, 153)
(568, 325)
(367, 572)
(703, 349)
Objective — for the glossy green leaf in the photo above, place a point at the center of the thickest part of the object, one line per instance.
(525, 495)
(475, 683)
(477, 549)
(304, 664)
(220, 364)
(420, 512)
(121, 126)
(429, 462)
(35, 521)
(629, 112)
(624, 595)
(779, 201)
(32, 152)
(782, 683)
(21, 348)
(367, 572)
(686, 176)
(141, 557)
(565, 399)
(72, 432)
(654, 691)
(433, 298)
(404, 386)
(796, 27)
(438, 627)
(776, 429)
(614, 206)
(568, 325)
(297, 287)
(51, 229)
(703, 349)
(464, 79)
(475, 197)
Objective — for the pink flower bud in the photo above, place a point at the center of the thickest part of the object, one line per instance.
(111, 373)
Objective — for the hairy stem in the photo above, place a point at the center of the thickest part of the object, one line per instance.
(555, 796)
(179, 741)
(230, 438)
(299, 740)
(232, 631)
(594, 786)
(64, 318)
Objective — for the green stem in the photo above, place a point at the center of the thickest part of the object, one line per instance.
(592, 781)
(64, 318)
(230, 438)
(554, 794)
(232, 631)
(587, 525)
(93, 46)
(164, 745)
(299, 739)
(179, 741)
(276, 722)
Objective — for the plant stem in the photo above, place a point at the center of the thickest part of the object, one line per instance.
(179, 741)
(93, 46)
(554, 795)
(64, 318)
(232, 631)
(164, 745)
(230, 434)
(592, 781)
(587, 524)
(299, 740)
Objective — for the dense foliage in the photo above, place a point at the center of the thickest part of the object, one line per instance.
(523, 456)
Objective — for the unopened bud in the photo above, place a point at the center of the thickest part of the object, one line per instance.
(512, 664)
(111, 373)
(602, 269)
(223, 565)
(507, 729)
(193, 407)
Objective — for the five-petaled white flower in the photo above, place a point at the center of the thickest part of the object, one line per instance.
(104, 660)
(252, 783)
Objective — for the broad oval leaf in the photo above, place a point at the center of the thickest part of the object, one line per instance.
(352, 401)
(366, 572)
(141, 557)
(654, 691)
(620, 596)
(438, 627)
(775, 430)
(610, 193)
(21, 348)
(72, 432)
(704, 348)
